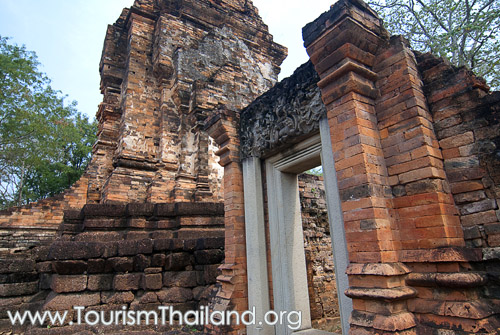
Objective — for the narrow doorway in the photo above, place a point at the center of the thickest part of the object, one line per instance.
(288, 256)
(286, 287)
(322, 287)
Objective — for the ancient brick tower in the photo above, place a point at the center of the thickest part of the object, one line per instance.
(145, 223)
(165, 66)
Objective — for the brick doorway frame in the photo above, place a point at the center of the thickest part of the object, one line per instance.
(286, 240)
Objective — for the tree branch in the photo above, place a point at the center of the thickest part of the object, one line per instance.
(436, 18)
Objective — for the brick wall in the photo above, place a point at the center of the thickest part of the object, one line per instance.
(103, 222)
(467, 123)
(19, 282)
(140, 256)
(323, 297)
(466, 120)
(22, 228)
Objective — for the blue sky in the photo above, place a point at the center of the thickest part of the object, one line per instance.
(68, 35)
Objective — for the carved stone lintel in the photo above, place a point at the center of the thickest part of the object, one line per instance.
(288, 111)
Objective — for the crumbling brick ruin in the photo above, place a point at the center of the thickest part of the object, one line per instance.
(145, 223)
(192, 196)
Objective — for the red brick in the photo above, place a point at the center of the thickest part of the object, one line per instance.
(364, 246)
(451, 153)
(400, 113)
(374, 281)
(457, 175)
(457, 140)
(494, 240)
(398, 159)
(414, 164)
(368, 213)
(392, 140)
(351, 161)
(419, 129)
(422, 199)
(479, 218)
(426, 151)
(466, 186)
(426, 210)
(447, 92)
(415, 143)
(422, 173)
(423, 233)
(437, 220)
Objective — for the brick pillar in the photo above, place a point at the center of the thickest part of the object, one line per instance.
(232, 293)
(427, 217)
(170, 115)
(343, 45)
(109, 112)
(136, 154)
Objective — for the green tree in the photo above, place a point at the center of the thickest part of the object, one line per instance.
(466, 32)
(45, 144)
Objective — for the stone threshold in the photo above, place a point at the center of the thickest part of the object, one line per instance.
(313, 332)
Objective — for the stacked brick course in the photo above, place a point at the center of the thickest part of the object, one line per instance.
(144, 256)
(22, 228)
(18, 284)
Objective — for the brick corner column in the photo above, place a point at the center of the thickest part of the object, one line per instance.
(233, 292)
(342, 45)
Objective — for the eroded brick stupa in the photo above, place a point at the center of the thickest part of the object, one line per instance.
(165, 66)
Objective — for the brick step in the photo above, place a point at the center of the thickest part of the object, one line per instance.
(143, 216)
(194, 233)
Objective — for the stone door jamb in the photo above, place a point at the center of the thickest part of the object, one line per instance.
(286, 237)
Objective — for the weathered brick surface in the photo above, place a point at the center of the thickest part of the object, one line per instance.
(414, 147)
(467, 127)
(114, 280)
(149, 144)
(22, 228)
(233, 289)
(318, 250)
(70, 283)
(120, 271)
(100, 282)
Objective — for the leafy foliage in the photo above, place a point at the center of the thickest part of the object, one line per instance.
(45, 144)
(466, 32)
(317, 171)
